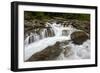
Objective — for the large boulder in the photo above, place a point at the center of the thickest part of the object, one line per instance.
(79, 37)
(49, 53)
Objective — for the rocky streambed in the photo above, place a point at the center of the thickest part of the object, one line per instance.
(56, 39)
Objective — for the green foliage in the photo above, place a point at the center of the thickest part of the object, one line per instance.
(28, 15)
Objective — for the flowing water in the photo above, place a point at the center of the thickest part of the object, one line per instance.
(36, 42)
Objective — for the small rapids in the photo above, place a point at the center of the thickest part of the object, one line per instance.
(76, 51)
(36, 42)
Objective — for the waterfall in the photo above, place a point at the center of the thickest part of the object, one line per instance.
(42, 32)
(51, 31)
(46, 37)
(26, 42)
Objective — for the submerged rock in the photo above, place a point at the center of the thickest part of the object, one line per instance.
(49, 53)
(79, 37)
(65, 32)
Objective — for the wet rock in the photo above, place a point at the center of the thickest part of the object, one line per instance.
(59, 21)
(79, 37)
(66, 23)
(38, 23)
(82, 25)
(65, 32)
(49, 32)
(64, 43)
(68, 51)
(49, 53)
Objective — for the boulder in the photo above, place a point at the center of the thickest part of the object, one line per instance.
(79, 37)
(49, 53)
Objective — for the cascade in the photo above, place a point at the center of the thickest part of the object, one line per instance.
(55, 30)
(36, 42)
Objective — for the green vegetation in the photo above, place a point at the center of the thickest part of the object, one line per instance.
(49, 15)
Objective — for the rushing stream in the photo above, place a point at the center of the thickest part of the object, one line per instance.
(36, 42)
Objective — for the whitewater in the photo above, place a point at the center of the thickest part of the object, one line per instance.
(76, 51)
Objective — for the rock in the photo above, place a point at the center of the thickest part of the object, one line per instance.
(59, 21)
(64, 43)
(66, 23)
(38, 23)
(58, 18)
(27, 23)
(49, 32)
(82, 25)
(68, 51)
(49, 53)
(34, 25)
(79, 37)
(51, 21)
(65, 32)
